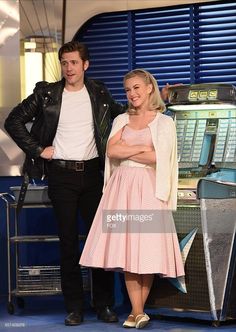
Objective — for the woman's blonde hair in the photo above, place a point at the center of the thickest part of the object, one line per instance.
(155, 101)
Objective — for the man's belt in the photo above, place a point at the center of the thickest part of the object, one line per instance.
(76, 165)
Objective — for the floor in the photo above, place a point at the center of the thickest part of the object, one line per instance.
(47, 314)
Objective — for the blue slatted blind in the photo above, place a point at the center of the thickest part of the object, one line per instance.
(215, 43)
(187, 44)
(108, 40)
(163, 45)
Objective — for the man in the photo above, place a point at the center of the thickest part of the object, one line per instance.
(71, 123)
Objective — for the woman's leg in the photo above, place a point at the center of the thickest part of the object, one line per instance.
(147, 280)
(133, 283)
(138, 287)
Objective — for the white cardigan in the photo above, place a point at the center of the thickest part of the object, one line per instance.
(163, 134)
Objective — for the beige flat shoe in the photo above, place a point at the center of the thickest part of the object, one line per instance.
(129, 322)
(141, 320)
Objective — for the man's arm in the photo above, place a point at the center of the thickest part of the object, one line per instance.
(117, 108)
(15, 125)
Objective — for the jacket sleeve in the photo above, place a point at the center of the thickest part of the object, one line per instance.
(115, 107)
(16, 123)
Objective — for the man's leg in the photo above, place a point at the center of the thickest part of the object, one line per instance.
(64, 191)
(103, 281)
(71, 280)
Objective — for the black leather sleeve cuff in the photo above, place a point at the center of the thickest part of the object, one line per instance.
(39, 150)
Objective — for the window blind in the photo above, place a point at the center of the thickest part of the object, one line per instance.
(215, 43)
(108, 39)
(180, 44)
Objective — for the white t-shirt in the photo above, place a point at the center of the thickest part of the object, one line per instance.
(74, 138)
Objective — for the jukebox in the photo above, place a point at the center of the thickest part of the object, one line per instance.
(206, 214)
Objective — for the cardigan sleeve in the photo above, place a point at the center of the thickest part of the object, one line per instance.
(165, 144)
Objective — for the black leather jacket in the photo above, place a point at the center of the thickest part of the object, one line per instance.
(42, 108)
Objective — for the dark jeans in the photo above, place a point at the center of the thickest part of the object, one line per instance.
(71, 192)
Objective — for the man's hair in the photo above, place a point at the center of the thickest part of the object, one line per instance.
(73, 46)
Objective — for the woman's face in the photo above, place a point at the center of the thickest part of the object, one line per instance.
(137, 92)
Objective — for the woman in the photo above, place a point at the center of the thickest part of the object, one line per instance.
(133, 230)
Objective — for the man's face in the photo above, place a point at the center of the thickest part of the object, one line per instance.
(73, 68)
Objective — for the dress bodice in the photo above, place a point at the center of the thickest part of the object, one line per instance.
(136, 137)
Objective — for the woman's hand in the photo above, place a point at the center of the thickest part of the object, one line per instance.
(146, 157)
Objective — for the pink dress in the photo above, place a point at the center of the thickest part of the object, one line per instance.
(132, 229)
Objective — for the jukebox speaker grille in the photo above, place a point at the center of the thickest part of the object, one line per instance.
(164, 294)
